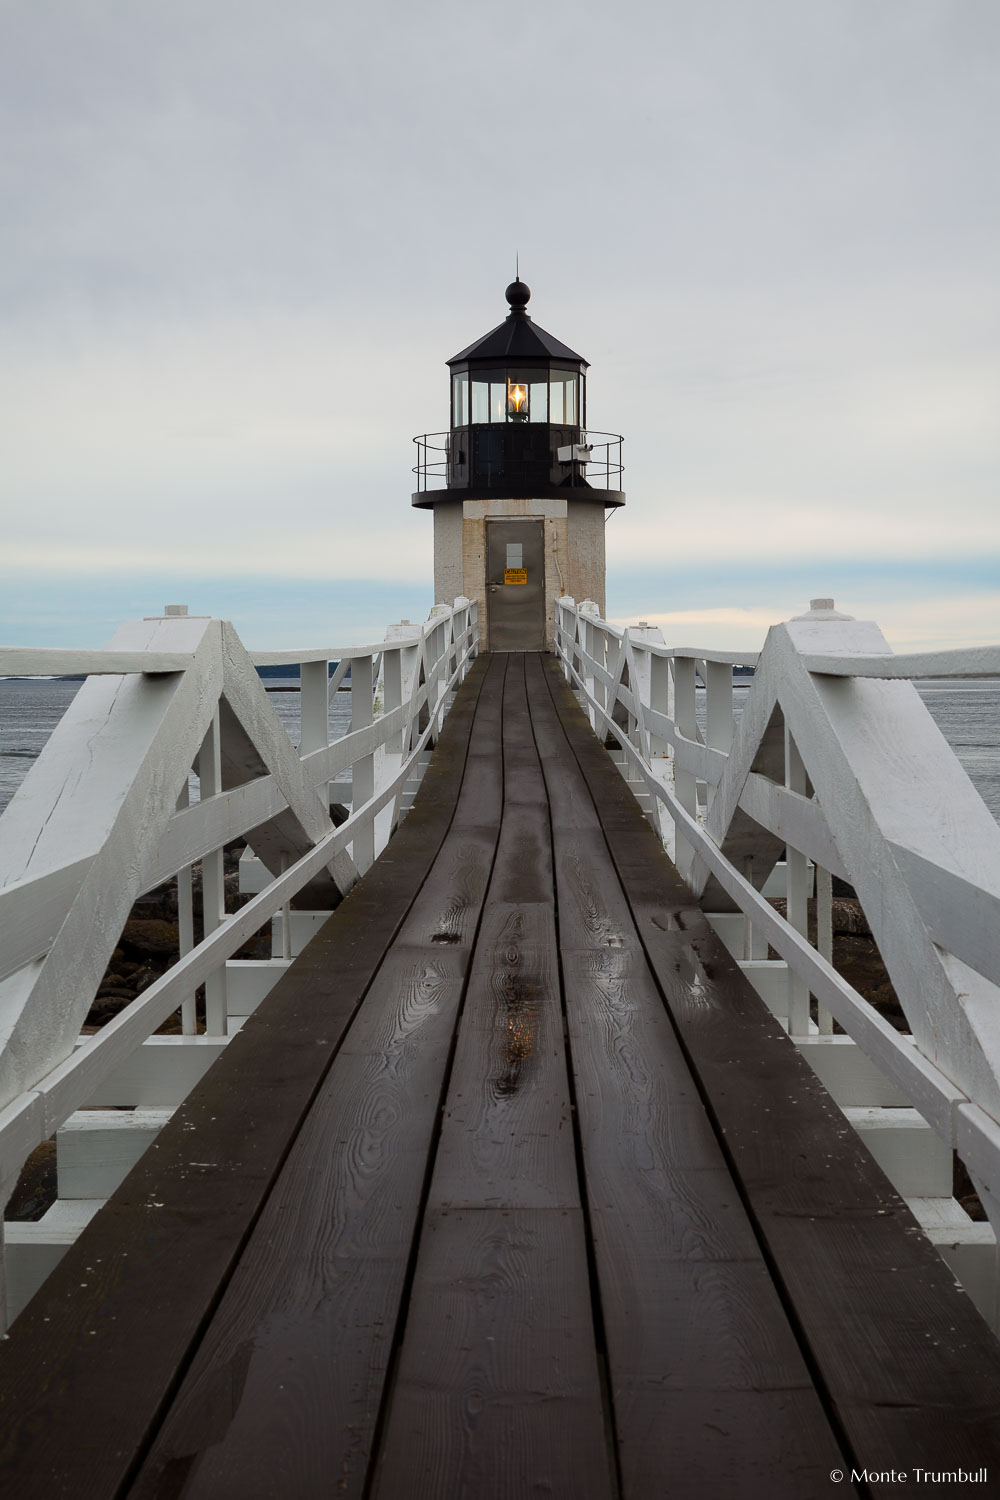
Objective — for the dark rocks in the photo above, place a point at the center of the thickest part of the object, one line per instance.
(151, 936)
(856, 957)
(150, 942)
(36, 1190)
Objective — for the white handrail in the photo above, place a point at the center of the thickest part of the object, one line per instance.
(103, 816)
(836, 767)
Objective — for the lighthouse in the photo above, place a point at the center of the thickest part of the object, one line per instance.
(519, 484)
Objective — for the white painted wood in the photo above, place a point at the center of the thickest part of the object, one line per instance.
(254, 874)
(103, 816)
(65, 809)
(685, 781)
(959, 914)
(185, 924)
(97, 1148)
(314, 708)
(34, 909)
(346, 654)
(776, 884)
(824, 933)
(728, 925)
(972, 1257)
(250, 980)
(874, 797)
(158, 1075)
(308, 818)
(862, 812)
(121, 803)
(22, 1128)
(58, 661)
(362, 690)
(915, 1160)
(301, 927)
(848, 1073)
(881, 766)
(968, 661)
(32, 1251)
(770, 978)
(213, 889)
(794, 819)
(796, 781)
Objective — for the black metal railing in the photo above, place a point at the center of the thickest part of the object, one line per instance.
(593, 460)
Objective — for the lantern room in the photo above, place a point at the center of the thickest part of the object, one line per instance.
(518, 450)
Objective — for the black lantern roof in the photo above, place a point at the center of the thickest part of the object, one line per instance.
(517, 337)
(518, 423)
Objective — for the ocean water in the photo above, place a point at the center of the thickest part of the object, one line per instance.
(967, 712)
(30, 708)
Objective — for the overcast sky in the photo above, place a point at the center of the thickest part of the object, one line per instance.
(240, 239)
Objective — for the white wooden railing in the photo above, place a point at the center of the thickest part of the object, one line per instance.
(105, 814)
(833, 768)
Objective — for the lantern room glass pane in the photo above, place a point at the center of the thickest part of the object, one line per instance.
(480, 399)
(460, 400)
(564, 397)
(498, 400)
(538, 401)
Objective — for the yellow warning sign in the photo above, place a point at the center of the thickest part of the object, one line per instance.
(515, 575)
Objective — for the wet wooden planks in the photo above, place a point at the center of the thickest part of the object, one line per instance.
(902, 1361)
(708, 1381)
(497, 1391)
(502, 1214)
(89, 1367)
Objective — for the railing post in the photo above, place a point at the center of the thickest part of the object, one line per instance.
(797, 896)
(315, 706)
(213, 880)
(660, 762)
(686, 721)
(437, 675)
(718, 711)
(824, 935)
(595, 645)
(363, 770)
(185, 923)
(314, 723)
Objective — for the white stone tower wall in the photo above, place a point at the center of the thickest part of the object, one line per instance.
(574, 550)
(586, 557)
(449, 580)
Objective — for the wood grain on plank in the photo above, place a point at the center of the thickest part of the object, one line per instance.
(507, 1132)
(311, 1310)
(507, 1135)
(744, 1445)
(497, 1389)
(905, 1361)
(687, 1299)
(122, 1312)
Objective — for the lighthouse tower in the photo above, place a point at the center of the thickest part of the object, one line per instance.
(519, 485)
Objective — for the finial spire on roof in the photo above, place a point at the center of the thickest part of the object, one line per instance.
(517, 295)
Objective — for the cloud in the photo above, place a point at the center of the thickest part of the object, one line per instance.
(240, 246)
(933, 624)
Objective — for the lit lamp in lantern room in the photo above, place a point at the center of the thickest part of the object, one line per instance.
(517, 402)
(519, 486)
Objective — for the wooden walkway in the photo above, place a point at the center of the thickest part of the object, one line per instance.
(512, 1188)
